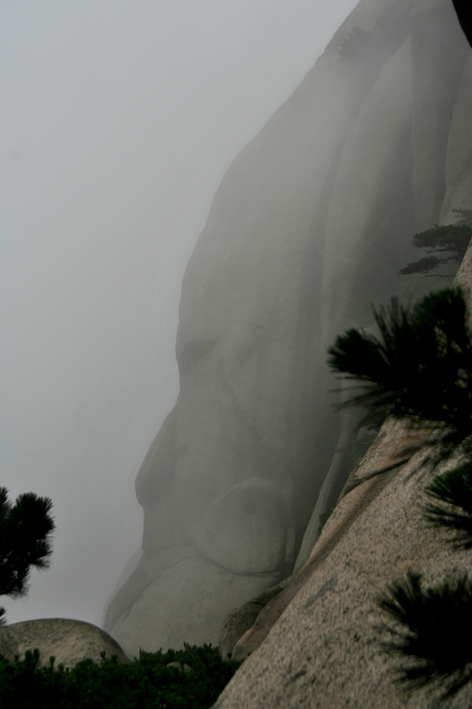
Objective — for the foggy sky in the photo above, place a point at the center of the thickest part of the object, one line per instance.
(118, 121)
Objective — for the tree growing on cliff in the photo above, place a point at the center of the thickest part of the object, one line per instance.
(25, 541)
(432, 626)
(430, 632)
(449, 505)
(442, 244)
(420, 368)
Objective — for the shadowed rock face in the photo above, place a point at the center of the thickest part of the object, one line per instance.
(317, 643)
(315, 640)
(309, 226)
(464, 13)
(321, 648)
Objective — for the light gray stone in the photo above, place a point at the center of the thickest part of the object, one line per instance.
(68, 641)
(354, 438)
(185, 601)
(324, 650)
(391, 449)
(458, 172)
(235, 625)
(255, 509)
(440, 51)
(182, 666)
(317, 643)
(309, 226)
(240, 620)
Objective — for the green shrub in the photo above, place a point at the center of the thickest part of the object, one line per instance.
(431, 634)
(146, 683)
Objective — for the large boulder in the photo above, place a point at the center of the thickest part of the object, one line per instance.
(182, 601)
(310, 225)
(68, 641)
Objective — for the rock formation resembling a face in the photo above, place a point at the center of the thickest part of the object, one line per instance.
(310, 226)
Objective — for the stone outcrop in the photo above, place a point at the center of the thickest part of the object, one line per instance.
(68, 641)
(326, 617)
(182, 598)
(242, 619)
(317, 642)
(391, 450)
(325, 649)
(309, 226)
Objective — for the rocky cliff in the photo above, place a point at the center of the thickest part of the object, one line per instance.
(317, 639)
(309, 226)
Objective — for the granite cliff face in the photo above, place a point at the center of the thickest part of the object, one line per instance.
(320, 646)
(309, 226)
(317, 642)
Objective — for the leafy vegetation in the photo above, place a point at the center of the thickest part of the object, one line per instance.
(431, 632)
(419, 368)
(147, 683)
(25, 541)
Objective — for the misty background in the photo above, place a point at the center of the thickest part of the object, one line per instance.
(118, 122)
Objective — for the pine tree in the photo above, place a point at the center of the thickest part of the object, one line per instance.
(442, 244)
(419, 368)
(25, 541)
(449, 505)
(430, 633)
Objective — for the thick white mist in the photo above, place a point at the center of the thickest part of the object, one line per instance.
(118, 121)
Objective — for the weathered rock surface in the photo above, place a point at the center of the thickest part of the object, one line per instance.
(185, 601)
(309, 226)
(316, 643)
(69, 641)
(392, 448)
(320, 643)
(243, 618)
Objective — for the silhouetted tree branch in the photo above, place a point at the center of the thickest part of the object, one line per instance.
(442, 244)
(25, 541)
